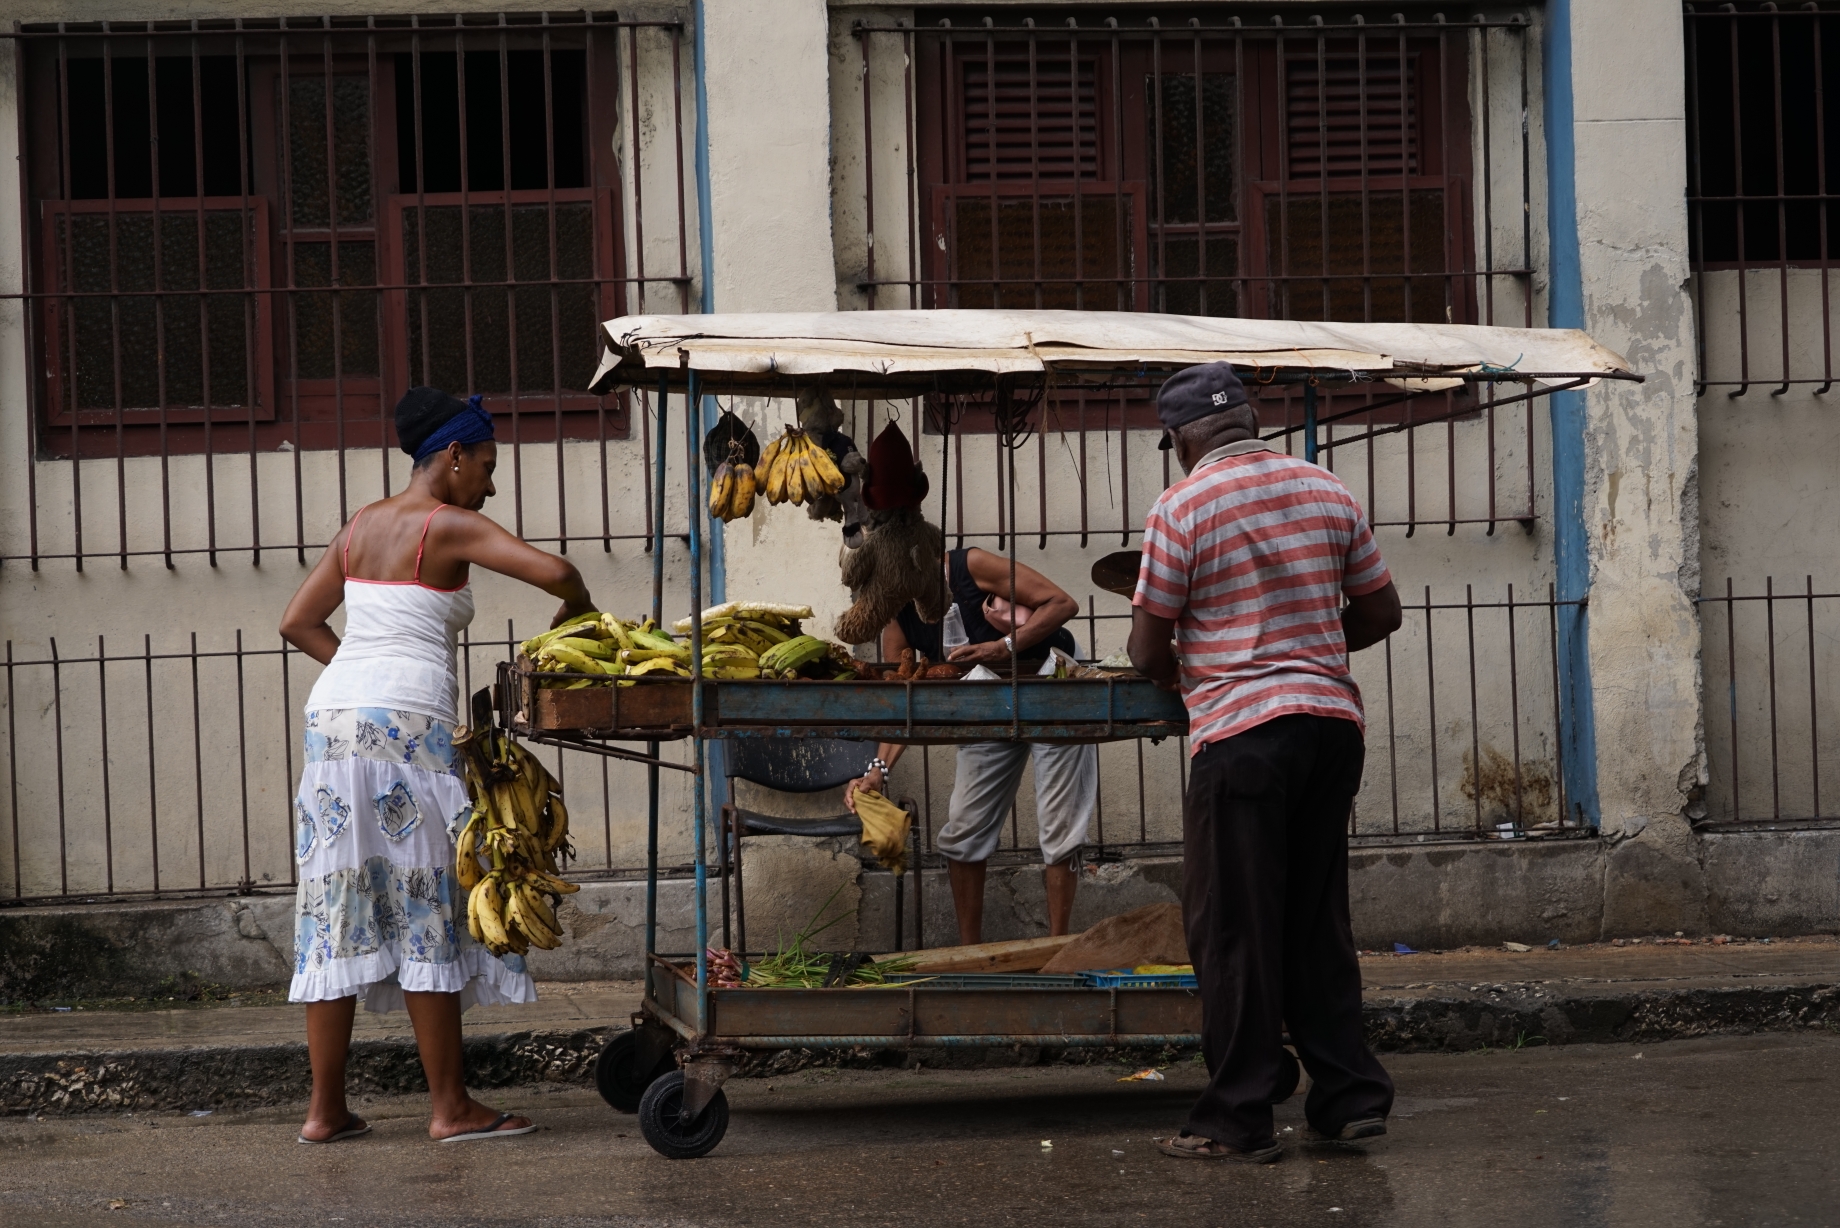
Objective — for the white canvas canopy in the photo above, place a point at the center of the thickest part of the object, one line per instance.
(887, 351)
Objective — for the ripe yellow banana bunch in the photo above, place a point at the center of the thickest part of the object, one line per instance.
(520, 826)
(761, 639)
(731, 491)
(590, 644)
(795, 469)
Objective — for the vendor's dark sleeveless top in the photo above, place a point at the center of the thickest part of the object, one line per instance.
(924, 636)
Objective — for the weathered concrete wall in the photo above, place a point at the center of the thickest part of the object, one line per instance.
(1767, 881)
(769, 153)
(1439, 896)
(1766, 495)
(1642, 446)
(1429, 896)
(217, 802)
(790, 232)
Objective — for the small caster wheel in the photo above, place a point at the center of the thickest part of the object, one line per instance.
(662, 1120)
(616, 1074)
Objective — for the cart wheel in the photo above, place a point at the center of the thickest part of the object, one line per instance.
(661, 1120)
(616, 1074)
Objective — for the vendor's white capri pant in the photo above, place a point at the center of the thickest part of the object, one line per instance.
(989, 773)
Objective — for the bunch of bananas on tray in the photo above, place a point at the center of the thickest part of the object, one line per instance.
(795, 468)
(519, 825)
(761, 639)
(741, 639)
(591, 644)
(732, 489)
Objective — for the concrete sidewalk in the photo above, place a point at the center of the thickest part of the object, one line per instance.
(234, 1056)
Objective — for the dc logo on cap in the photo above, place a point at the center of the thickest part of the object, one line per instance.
(1222, 397)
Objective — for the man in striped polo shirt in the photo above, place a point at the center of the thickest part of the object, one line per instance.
(1245, 565)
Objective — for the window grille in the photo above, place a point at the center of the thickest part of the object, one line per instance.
(251, 236)
(1223, 162)
(1763, 147)
(1060, 170)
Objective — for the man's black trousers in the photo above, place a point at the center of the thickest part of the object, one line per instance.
(1265, 906)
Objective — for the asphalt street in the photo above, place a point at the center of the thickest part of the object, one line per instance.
(1722, 1131)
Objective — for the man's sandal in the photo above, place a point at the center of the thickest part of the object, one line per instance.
(1353, 1132)
(1196, 1147)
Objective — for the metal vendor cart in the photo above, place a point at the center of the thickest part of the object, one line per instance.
(688, 1036)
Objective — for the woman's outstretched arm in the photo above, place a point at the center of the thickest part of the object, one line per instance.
(483, 542)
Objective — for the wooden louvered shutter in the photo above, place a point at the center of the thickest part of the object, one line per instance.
(1343, 115)
(1022, 123)
(1362, 205)
(1033, 216)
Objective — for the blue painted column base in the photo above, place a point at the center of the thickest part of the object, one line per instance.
(1567, 411)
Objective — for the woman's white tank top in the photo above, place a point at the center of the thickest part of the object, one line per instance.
(400, 646)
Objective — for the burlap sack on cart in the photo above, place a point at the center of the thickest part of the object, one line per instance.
(884, 829)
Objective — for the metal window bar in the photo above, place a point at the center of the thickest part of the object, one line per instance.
(1763, 215)
(1512, 781)
(252, 237)
(1014, 119)
(70, 841)
(1768, 669)
(1215, 41)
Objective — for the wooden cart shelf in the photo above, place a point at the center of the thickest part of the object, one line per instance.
(920, 1015)
(1034, 709)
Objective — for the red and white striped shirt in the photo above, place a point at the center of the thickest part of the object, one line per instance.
(1249, 555)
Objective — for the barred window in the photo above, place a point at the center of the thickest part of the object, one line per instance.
(283, 228)
(1763, 147)
(1765, 137)
(1303, 178)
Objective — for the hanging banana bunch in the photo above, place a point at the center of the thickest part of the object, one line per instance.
(520, 828)
(731, 490)
(794, 468)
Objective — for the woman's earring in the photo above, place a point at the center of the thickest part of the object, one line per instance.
(456, 469)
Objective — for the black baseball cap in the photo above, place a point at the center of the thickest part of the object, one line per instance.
(1194, 393)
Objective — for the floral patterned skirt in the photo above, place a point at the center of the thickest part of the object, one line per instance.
(379, 910)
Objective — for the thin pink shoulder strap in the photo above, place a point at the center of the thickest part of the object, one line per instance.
(422, 544)
(348, 536)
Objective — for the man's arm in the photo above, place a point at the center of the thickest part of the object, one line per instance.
(1152, 648)
(893, 641)
(1366, 620)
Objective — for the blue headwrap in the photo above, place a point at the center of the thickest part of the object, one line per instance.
(471, 425)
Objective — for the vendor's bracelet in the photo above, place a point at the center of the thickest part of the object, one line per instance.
(876, 765)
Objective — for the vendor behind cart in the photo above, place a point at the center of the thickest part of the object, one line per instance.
(1003, 607)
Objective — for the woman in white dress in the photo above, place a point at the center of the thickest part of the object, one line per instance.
(379, 914)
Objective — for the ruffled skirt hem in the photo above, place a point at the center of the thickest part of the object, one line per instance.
(379, 979)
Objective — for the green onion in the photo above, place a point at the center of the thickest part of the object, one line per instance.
(796, 966)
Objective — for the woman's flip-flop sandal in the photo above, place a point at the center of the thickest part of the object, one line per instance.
(491, 1131)
(353, 1129)
(1195, 1147)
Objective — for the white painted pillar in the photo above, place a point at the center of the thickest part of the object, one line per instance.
(769, 91)
(1641, 501)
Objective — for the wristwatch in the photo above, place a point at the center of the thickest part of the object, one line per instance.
(1009, 642)
(877, 765)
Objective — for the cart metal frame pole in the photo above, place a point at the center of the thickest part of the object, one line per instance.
(693, 486)
(651, 747)
(1309, 421)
